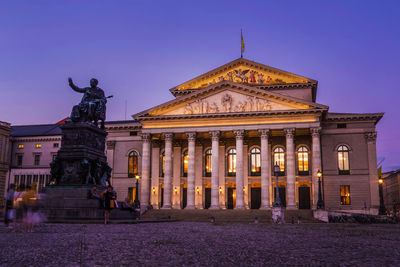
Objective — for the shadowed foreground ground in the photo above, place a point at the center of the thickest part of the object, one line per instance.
(201, 244)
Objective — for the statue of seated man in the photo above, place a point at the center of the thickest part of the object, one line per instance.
(92, 107)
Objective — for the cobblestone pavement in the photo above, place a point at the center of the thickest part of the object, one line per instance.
(201, 244)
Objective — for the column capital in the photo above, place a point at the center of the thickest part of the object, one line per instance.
(168, 136)
(264, 133)
(146, 137)
(191, 136)
(239, 134)
(315, 131)
(370, 137)
(111, 145)
(289, 132)
(215, 135)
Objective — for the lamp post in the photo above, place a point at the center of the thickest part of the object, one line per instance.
(136, 203)
(382, 209)
(277, 202)
(320, 202)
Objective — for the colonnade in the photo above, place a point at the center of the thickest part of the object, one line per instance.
(265, 177)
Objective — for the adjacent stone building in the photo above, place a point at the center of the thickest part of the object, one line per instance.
(4, 156)
(216, 143)
(391, 189)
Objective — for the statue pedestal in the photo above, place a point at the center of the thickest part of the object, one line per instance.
(81, 158)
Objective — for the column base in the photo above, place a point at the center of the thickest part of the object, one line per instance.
(291, 207)
(177, 207)
(214, 208)
(240, 208)
(190, 207)
(265, 208)
(166, 207)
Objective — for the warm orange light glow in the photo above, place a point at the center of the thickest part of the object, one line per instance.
(37, 145)
(175, 190)
(154, 190)
(319, 174)
(380, 181)
(137, 177)
(220, 189)
(197, 190)
(20, 146)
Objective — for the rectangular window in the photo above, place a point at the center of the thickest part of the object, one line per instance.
(47, 179)
(345, 195)
(37, 160)
(20, 146)
(22, 180)
(54, 156)
(341, 125)
(55, 145)
(133, 133)
(16, 180)
(29, 179)
(38, 145)
(19, 160)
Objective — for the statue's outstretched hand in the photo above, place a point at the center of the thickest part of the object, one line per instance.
(69, 80)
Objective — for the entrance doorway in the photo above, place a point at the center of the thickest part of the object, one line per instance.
(184, 198)
(282, 194)
(255, 197)
(207, 198)
(231, 197)
(162, 197)
(304, 197)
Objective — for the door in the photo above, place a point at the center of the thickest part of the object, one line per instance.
(207, 198)
(231, 197)
(162, 197)
(282, 194)
(304, 197)
(184, 198)
(255, 197)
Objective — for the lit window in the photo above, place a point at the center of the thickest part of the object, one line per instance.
(232, 162)
(20, 146)
(37, 160)
(38, 145)
(207, 161)
(162, 164)
(343, 160)
(185, 163)
(279, 158)
(133, 164)
(345, 195)
(255, 162)
(302, 159)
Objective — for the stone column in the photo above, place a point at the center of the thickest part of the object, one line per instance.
(110, 156)
(155, 172)
(265, 170)
(373, 172)
(145, 179)
(316, 163)
(215, 170)
(168, 170)
(290, 169)
(239, 169)
(191, 170)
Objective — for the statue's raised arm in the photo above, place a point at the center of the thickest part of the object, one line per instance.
(74, 87)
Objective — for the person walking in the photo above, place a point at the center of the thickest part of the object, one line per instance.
(110, 198)
(9, 212)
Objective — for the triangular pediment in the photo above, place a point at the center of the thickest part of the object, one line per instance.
(228, 97)
(246, 72)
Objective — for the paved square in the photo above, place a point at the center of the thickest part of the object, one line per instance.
(201, 244)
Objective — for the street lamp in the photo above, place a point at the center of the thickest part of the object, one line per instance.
(382, 209)
(320, 203)
(136, 203)
(277, 202)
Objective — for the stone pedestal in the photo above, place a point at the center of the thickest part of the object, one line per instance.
(278, 214)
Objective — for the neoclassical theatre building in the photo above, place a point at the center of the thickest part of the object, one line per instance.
(216, 143)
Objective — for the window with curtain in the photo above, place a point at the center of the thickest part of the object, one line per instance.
(207, 162)
(345, 195)
(133, 164)
(185, 163)
(302, 160)
(279, 158)
(231, 162)
(343, 159)
(255, 161)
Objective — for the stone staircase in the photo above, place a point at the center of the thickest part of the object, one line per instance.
(226, 216)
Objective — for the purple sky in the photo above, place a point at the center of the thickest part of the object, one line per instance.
(140, 49)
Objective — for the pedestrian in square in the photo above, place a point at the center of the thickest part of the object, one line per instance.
(9, 212)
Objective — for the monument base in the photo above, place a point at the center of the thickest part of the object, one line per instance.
(278, 215)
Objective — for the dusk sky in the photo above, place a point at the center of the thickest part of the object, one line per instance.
(138, 50)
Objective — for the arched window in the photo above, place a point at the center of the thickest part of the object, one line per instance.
(255, 162)
(231, 162)
(162, 164)
(279, 158)
(343, 159)
(207, 162)
(133, 164)
(185, 163)
(302, 160)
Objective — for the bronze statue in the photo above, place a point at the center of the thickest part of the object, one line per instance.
(92, 107)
